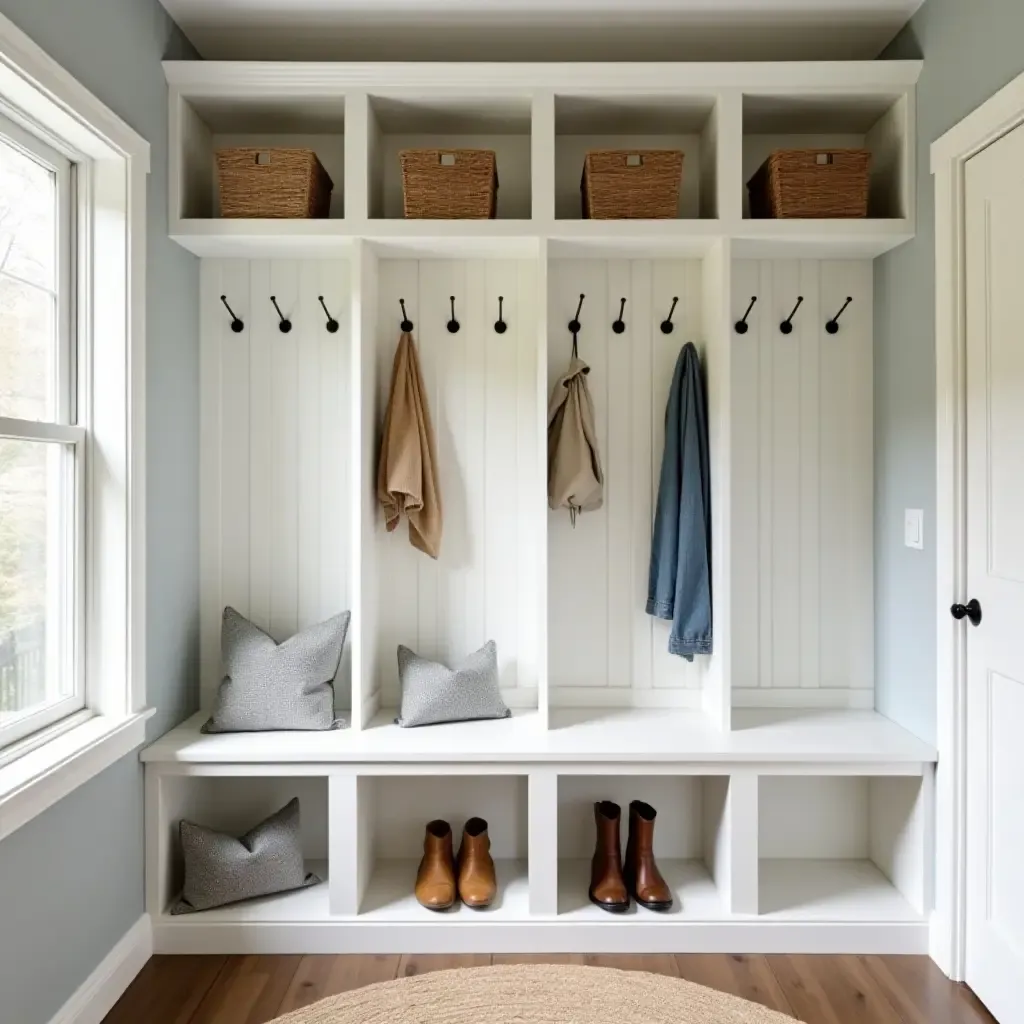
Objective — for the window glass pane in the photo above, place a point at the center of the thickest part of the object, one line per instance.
(34, 627)
(28, 218)
(28, 275)
(28, 352)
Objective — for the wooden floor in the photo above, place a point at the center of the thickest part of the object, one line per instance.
(815, 989)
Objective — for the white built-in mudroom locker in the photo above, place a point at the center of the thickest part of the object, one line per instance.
(791, 816)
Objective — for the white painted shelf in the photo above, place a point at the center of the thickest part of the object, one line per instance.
(578, 735)
(390, 897)
(424, 239)
(831, 890)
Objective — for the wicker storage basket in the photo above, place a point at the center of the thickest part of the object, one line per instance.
(794, 183)
(449, 184)
(273, 183)
(631, 184)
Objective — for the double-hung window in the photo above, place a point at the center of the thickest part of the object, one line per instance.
(42, 440)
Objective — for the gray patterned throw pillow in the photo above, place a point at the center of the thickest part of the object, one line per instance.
(269, 686)
(221, 869)
(433, 693)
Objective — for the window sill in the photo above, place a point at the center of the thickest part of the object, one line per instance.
(31, 784)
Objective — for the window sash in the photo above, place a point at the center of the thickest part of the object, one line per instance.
(65, 641)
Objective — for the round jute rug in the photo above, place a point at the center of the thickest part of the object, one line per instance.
(535, 995)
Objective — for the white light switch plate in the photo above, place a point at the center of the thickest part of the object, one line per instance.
(913, 528)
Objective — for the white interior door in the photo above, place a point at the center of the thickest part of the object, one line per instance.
(995, 576)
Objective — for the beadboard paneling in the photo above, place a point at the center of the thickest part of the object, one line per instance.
(274, 452)
(483, 402)
(604, 650)
(802, 530)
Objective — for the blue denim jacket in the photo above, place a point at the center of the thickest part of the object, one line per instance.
(679, 585)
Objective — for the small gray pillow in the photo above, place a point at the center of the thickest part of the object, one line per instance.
(269, 686)
(221, 869)
(433, 693)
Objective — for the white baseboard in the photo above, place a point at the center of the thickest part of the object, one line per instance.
(96, 996)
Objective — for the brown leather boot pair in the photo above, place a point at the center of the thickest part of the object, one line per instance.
(476, 885)
(611, 886)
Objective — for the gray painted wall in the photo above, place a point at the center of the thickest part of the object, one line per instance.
(970, 51)
(71, 880)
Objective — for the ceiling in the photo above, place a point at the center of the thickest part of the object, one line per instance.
(536, 30)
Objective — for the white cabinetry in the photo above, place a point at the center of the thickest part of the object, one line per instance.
(792, 817)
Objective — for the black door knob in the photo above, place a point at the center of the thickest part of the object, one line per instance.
(970, 611)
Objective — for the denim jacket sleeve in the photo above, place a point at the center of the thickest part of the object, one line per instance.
(679, 587)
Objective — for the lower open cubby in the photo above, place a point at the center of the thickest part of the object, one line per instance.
(759, 858)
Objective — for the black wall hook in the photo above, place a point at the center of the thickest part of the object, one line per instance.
(619, 325)
(499, 325)
(666, 325)
(741, 325)
(575, 327)
(406, 323)
(332, 324)
(285, 325)
(787, 325)
(833, 325)
(453, 324)
(574, 324)
(236, 325)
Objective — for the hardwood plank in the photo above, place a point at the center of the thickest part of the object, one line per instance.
(421, 963)
(655, 963)
(504, 959)
(318, 977)
(249, 990)
(167, 990)
(748, 977)
(922, 994)
(831, 990)
(817, 989)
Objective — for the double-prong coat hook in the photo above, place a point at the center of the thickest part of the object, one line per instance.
(236, 324)
(741, 325)
(575, 326)
(666, 325)
(787, 325)
(833, 325)
(453, 324)
(499, 325)
(619, 325)
(332, 324)
(285, 325)
(406, 323)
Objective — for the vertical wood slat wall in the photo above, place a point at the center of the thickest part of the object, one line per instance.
(285, 542)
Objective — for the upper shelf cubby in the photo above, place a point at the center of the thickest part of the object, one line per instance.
(501, 124)
(879, 122)
(671, 121)
(208, 124)
(541, 120)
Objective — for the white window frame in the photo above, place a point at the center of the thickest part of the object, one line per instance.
(65, 428)
(112, 164)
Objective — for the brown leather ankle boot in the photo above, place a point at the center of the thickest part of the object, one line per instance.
(643, 878)
(435, 880)
(607, 889)
(478, 884)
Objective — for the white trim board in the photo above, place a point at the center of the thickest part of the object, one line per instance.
(554, 936)
(949, 155)
(96, 996)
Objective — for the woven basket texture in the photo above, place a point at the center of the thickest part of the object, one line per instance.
(273, 183)
(632, 184)
(449, 184)
(795, 183)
